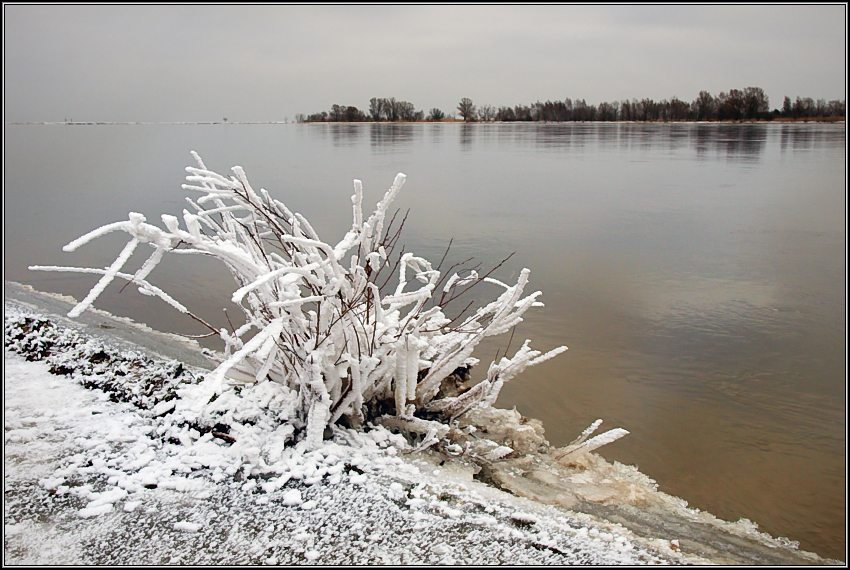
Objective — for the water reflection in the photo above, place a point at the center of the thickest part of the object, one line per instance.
(345, 134)
(560, 137)
(609, 136)
(803, 137)
(392, 137)
(735, 142)
(467, 133)
(436, 133)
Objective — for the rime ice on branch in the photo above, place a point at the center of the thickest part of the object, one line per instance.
(317, 322)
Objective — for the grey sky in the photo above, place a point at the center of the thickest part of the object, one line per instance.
(255, 63)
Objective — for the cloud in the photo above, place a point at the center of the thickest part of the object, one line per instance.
(197, 62)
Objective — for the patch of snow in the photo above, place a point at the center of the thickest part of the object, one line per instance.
(95, 511)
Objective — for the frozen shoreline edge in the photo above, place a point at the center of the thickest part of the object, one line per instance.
(702, 535)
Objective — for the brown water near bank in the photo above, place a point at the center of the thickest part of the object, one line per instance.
(696, 272)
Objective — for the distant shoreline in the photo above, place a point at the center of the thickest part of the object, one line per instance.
(99, 123)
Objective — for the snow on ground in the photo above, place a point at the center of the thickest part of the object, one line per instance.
(88, 482)
(104, 465)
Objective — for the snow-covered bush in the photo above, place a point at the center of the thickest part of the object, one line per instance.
(317, 321)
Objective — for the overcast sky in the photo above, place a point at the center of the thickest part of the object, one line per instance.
(257, 63)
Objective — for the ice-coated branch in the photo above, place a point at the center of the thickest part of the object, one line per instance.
(580, 447)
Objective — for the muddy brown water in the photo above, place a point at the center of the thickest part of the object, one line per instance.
(696, 272)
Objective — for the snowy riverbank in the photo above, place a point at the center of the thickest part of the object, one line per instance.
(100, 467)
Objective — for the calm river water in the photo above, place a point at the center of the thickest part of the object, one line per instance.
(696, 272)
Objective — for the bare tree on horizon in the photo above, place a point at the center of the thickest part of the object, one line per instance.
(466, 109)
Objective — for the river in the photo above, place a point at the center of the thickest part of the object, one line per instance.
(696, 271)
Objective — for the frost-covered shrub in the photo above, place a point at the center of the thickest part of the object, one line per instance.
(317, 320)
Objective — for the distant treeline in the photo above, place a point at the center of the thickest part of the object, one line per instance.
(736, 105)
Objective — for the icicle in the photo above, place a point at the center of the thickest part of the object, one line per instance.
(384, 205)
(317, 418)
(193, 224)
(106, 279)
(496, 383)
(401, 380)
(412, 372)
(586, 433)
(357, 201)
(149, 265)
(571, 453)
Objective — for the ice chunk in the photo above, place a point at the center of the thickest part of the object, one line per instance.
(292, 498)
(186, 526)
